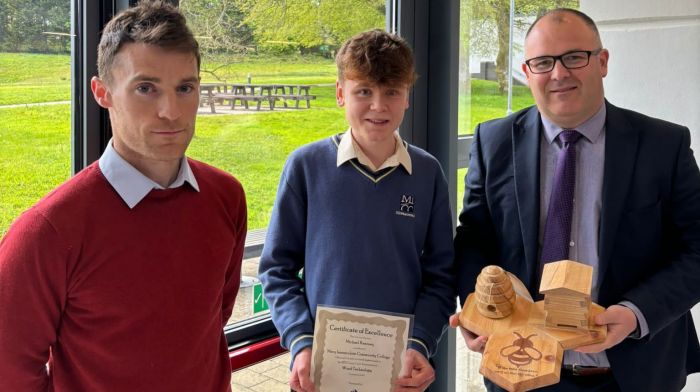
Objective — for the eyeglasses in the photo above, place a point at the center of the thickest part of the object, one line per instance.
(570, 60)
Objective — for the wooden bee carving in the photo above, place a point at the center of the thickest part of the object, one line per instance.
(522, 352)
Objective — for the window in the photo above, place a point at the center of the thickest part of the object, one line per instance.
(35, 93)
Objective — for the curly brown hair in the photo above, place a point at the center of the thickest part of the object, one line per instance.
(376, 56)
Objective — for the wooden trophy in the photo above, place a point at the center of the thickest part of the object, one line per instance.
(527, 339)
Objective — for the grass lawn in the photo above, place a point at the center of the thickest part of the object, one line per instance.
(30, 78)
(254, 147)
(35, 141)
(35, 156)
(486, 103)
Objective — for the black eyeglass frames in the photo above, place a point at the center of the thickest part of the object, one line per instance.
(570, 60)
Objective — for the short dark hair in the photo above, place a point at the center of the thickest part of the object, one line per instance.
(376, 56)
(150, 22)
(558, 14)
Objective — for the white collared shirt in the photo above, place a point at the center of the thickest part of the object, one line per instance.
(349, 149)
(132, 185)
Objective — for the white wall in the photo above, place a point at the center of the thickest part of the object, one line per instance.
(654, 66)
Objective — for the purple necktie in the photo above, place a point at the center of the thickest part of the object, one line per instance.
(557, 229)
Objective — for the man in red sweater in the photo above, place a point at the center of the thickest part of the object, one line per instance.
(124, 276)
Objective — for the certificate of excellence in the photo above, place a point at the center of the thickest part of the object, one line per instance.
(357, 350)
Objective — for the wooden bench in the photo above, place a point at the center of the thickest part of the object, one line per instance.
(208, 92)
(288, 93)
(212, 94)
(296, 98)
(244, 99)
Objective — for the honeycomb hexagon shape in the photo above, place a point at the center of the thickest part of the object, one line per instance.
(521, 359)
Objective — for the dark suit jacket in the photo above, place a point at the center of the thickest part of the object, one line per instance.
(649, 238)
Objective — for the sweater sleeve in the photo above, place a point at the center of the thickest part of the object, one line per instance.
(233, 273)
(34, 262)
(437, 298)
(283, 258)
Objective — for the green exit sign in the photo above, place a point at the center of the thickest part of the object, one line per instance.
(259, 303)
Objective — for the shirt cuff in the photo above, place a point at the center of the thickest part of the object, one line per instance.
(419, 346)
(299, 343)
(642, 326)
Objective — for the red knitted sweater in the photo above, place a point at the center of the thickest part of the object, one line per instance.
(118, 299)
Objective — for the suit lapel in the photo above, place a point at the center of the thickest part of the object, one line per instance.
(620, 155)
(526, 167)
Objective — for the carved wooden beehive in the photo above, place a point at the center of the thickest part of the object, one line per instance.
(566, 286)
(494, 292)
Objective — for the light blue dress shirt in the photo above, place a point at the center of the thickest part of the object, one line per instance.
(132, 185)
(585, 222)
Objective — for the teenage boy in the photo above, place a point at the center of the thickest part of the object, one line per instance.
(365, 215)
(123, 278)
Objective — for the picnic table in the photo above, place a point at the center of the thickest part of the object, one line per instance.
(243, 94)
(287, 93)
(208, 94)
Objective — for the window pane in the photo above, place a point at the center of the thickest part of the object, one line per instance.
(34, 103)
(268, 76)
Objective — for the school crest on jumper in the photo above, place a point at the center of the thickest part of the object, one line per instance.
(406, 206)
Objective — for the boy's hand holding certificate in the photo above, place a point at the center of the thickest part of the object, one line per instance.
(357, 350)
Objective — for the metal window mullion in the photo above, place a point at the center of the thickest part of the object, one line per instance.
(432, 30)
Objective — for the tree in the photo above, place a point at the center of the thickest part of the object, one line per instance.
(311, 23)
(487, 14)
(219, 28)
(24, 25)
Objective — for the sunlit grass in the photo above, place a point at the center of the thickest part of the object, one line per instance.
(34, 156)
(254, 147)
(487, 103)
(34, 68)
(31, 78)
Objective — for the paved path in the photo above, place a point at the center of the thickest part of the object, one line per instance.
(26, 105)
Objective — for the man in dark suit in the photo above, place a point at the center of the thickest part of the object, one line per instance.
(634, 212)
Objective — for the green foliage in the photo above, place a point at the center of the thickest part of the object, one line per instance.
(490, 26)
(24, 25)
(218, 26)
(228, 29)
(272, 69)
(223, 27)
(311, 23)
(279, 47)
